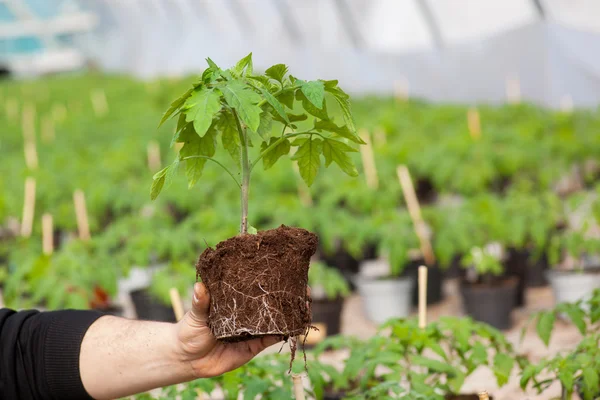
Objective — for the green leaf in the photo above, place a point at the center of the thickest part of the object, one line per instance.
(344, 101)
(197, 146)
(479, 354)
(314, 92)
(577, 316)
(432, 365)
(292, 118)
(330, 84)
(171, 172)
(277, 72)
(503, 365)
(252, 230)
(526, 376)
(342, 131)
(244, 63)
(286, 98)
(590, 379)
(309, 160)
(545, 325)
(212, 64)
(265, 128)
(276, 105)
(229, 135)
(244, 100)
(310, 108)
(201, 106)
(335, 151)
(253, 387)
(176, 105)
(270, 158)
(158, 183)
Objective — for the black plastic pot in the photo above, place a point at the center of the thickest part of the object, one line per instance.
(435, 279)
(333, 396)
(490, 304)
(327, 317)
(516, 266)
(149, 309)
(535, 275)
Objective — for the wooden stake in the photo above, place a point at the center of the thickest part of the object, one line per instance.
(513, 90)
(415, 213)
(47, 234)
(422, 296)
(28, 208)
(401, 89)
(99, 102)
(28, 122)
(83, 224)
(199, 395)
(31, 157)
(368, 160)
(566, 104)
(176, 303)
(48, 132)
(12, 109)
(484, 395)
(298, 387)
(153, 156)
(474, 123)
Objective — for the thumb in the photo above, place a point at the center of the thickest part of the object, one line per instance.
(200, 304)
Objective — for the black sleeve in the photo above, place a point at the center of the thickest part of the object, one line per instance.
(39, 354)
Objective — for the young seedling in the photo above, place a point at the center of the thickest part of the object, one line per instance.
(257, 280)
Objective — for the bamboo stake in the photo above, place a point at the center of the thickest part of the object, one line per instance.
(199, 395)
(401, 89)
(99, 102)
(12, 109)
(28, 207)
(83, 224)
(28, 122)
(31, 157)
(484, 395)
(47, 234)
(153, 156)
(566, 104)
(48, 132)
(176, 303)
(415, 213)
(513, 90)
(422, 296)
(298, 387)
(474, 123)
(368, 160)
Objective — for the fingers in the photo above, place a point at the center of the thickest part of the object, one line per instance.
(200, 304)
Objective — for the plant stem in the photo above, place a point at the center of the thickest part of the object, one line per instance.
(245, 173)
(222, 166)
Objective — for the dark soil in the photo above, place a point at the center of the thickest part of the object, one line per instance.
(257, 284)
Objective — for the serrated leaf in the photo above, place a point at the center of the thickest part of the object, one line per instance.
(270, 158)
(292, 118)
(479, 354)
(309, 159)
(310, 108)
(330, 84)
(229, 135)
(171, 173)
(286, 98)
(335, 151)
(591, 381)
(577, 316)
(175, 105)
(344, 101)
(503, 365)
(212, 64)
(545, 325)
(265, 128)
(342, 131)
(197, 146)
(244, 100)
(157, 184)
(277, 72)
(244, 63)
(202, 106)
(431, 364)
(277, 106)
(314, 92)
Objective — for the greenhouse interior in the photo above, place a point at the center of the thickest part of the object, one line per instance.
(317, 199)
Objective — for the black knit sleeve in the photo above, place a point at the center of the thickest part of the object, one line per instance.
(39, 354)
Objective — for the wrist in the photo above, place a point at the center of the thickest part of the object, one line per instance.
(178, 356)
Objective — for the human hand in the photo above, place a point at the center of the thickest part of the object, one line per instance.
(206, 356)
